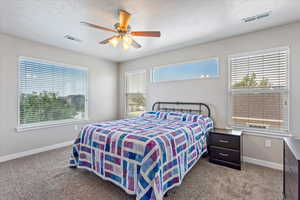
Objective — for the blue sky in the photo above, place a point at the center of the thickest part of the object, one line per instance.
(186, 71)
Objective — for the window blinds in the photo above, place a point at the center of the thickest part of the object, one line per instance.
(136, 82)
(259, 90)
(135, 93)
(50, 92)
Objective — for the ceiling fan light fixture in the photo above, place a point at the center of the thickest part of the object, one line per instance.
(126, 46)
(114, 41)
(127, 39)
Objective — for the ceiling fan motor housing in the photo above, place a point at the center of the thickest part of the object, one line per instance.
(122, 29)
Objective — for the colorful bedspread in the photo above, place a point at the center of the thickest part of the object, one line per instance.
(146, 155)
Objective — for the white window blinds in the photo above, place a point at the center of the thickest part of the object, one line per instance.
(49, 93)
(259, 90)
(135, 93)
(136, 82)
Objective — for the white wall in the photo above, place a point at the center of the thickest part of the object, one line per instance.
(103, 83)
(103, 77)
(214, 91)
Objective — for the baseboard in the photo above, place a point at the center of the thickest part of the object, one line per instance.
(34, 151)
(64, 144)
(264, 163)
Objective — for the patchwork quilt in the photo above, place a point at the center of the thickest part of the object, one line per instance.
(147, 155)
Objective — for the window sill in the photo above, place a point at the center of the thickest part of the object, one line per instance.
(267, 135)
(260, 133)
(50, 125)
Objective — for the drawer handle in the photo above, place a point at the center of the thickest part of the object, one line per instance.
(223, 154)
(223, 141)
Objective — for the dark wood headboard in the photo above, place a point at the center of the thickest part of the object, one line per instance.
(187, 107)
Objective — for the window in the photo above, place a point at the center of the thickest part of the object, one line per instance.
(50, 93)
(193, 70)
(259, 90)
(135, 93)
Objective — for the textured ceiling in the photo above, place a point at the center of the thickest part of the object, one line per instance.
(181, 22)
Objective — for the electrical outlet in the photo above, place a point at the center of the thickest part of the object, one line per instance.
(76, 127)
(268, 143)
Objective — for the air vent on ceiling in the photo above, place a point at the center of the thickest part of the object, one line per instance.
(256, 17)
(69, 37)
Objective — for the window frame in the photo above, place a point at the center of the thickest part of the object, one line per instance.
(25, 127)
(125, 88)
(183, 63)
(255, 90)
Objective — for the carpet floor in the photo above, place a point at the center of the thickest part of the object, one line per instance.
(45, 176)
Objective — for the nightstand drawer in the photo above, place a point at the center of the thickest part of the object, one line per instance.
(225, 154)
(226, 141)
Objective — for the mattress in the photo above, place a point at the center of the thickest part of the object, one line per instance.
(147, 155)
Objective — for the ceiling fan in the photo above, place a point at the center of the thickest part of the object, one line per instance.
(123, 32)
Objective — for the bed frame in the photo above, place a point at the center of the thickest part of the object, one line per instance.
(188, 107)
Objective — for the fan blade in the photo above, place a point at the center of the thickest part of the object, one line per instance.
(146, 33)
(124, 17)
(98, 27)
(107, 40)
(135, 44)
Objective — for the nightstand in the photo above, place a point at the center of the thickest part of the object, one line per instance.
(224, 147)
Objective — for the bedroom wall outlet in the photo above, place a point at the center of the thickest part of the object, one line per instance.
(76, 127)
(268, 143)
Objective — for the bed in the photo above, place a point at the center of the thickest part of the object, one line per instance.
(147, 155)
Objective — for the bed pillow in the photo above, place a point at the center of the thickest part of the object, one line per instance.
(192, 117)
(186, 117)
(154, 115)
(206, 121)
(176, 116)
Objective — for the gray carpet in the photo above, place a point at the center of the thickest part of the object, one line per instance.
(46, 176)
